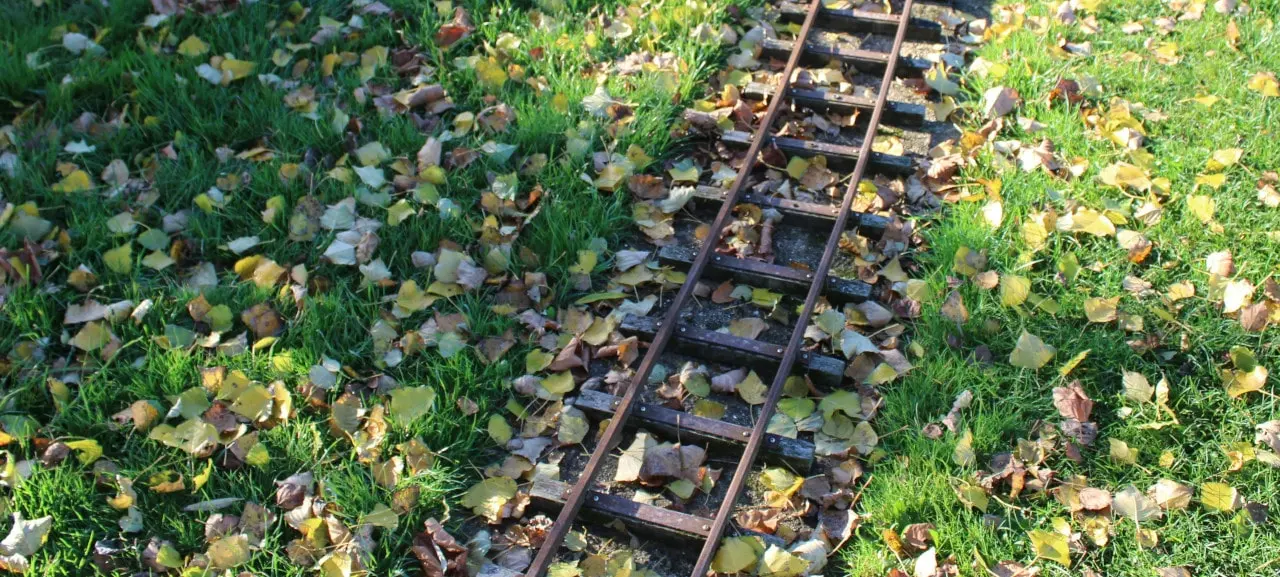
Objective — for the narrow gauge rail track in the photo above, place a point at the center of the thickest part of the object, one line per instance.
(669, 333)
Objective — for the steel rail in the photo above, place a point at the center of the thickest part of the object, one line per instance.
(577, 494)
(815, 290)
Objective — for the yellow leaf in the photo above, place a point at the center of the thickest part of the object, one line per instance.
(752, 389)
(963, 454)
(77, 181)
(1206, 100)
(491, 74)
(1014, 289)
(735, 555)
(1167, 53)
(1051, 546)
(119, 259)
(398, 212)
(499, 430)
(1237, 295)
(1214, 181)
(238, 69)
(252, 403)
(411, 403)
(587, 260)
(228, 552)
(796, 167)
(1181, 290)
(193, 47)
(1125, 175)
(1265, 83)
(556, 385)
(973, 496)
(198, 481)
(92, 337)
(1030, 352)
(1100, 310)
(1201, 206)
(1034, 233)
(328, 63)
(1122, 453)
(1221, 159)
(1137, 388)
(1087, 220)
(1241, 382)
(372, 154)
(411, 299)
(883, 373)
(1219, 497)
(684, 172)
(1071, 365)
(765, 298)
(87, 450)
(777, 562)
(967, 262)
(488, 497)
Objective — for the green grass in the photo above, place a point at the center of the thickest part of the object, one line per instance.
(169, 105)
(915, 483)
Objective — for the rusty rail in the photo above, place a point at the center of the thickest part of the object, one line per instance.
(815, 291)
(571, 500)
(576, 495)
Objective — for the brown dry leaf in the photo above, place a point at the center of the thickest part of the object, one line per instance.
(1255, 317)
(263, 320)
(918, 535)
(999, 101)
(954, 309)
(1072, 402)
(456, 30)
(723, 294)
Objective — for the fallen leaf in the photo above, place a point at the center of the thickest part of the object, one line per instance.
(1030, 352)
(1014, 289)
(734, 555)
(1072, 402)
(408, 404)
(999, 101)
(1137, 388)
(1265, 83)
(1101, 310)
(1219, 497)
(25, 538)
(488, 497)
(1132, 504)
(1050, 545)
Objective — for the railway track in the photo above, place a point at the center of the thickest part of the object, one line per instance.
(759, 140)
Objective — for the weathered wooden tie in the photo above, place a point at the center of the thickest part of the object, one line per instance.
(721, 347)
(868, 61)
(784, 279)
(896, 113)
(864, 22)
(800, 213)
(657, 521)
(689, 428)
(839, 156)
